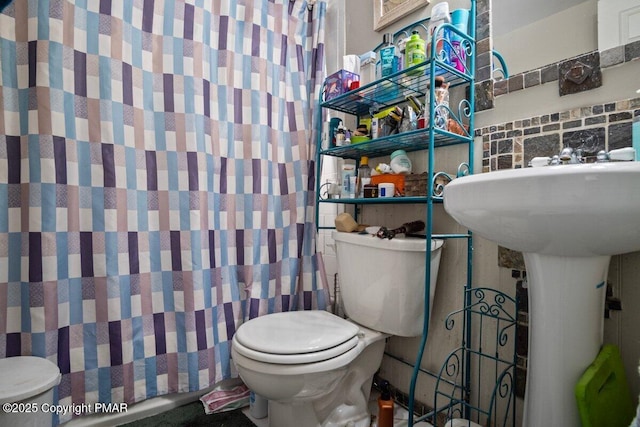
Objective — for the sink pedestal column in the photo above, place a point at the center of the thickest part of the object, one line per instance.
(565, 333)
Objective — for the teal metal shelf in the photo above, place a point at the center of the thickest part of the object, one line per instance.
(416, 140)
(366, 101)
(381, 200)
(393, 90)
(492, 354)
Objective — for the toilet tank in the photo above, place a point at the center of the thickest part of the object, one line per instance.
(382, 282)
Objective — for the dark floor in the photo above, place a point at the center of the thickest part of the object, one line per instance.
(192, 415)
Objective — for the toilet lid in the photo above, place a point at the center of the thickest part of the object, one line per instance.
(22, 377)
(296, 332)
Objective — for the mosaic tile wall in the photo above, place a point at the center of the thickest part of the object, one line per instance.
(484, 43)
(593, 128)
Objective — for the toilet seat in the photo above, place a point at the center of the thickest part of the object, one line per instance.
(295, 359)
(295, 337)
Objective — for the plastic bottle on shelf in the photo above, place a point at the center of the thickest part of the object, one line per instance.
(364, 175)
(348, 177)
(415, 52)
(334, 123)
(386, 66)
(341, 136)
(441, 103)
(388, 62)
(439, 15)
(460, 20)
(385, 406)
(400, 162)
(402, 48)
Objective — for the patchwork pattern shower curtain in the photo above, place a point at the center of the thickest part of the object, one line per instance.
(156, 185)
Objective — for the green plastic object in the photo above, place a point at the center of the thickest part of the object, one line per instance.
(603, 396)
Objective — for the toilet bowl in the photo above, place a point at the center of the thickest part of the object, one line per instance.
(26, 391)
(316, 368)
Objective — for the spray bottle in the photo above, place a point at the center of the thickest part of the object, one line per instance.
(439, 15)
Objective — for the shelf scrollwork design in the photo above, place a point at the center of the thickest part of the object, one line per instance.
(439, 181)
(463, 170)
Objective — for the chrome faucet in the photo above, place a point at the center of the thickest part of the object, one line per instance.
(570, 156)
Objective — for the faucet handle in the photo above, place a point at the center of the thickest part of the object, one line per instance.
(602, 157)
(626, 154)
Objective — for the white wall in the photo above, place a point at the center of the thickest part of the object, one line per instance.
(509, 15)
(570, 32)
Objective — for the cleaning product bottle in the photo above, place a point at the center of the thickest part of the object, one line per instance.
(439, 15)
(386, 66)
(388, 57)
(460, 20)
(364, 175)
(385, 406)
(415, 52)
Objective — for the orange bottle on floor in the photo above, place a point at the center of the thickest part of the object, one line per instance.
(385, 406)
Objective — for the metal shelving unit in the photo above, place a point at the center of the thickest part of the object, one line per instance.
(391, 91)
(490, 357)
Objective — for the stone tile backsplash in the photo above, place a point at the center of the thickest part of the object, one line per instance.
(592, 128)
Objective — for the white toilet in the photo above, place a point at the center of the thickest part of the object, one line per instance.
(26, 391)
(316, 368)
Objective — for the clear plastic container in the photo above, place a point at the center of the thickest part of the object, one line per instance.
(364, 175)
(400, 162)
(441, 103)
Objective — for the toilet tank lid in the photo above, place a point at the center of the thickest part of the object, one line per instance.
(295, 332)
(23, 377)
(398, 243)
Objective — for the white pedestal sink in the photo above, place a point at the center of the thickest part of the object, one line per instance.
(567, 220)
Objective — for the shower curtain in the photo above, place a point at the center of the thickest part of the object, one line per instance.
(156, 185)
